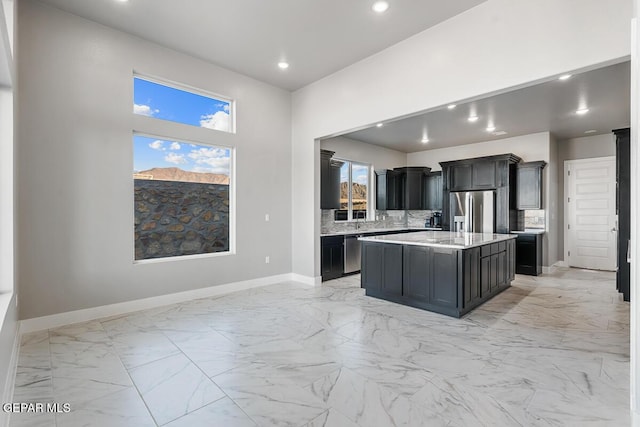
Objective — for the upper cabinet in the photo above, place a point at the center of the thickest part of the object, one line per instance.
(402, 188)
(496, 173)
(433, 191)
(529, 185)
(329, 180)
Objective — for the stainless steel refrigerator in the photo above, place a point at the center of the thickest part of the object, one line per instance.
(473, 211)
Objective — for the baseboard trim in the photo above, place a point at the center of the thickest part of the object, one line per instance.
(561, 264)
(307, 280)
(84, 315)
(10, 383)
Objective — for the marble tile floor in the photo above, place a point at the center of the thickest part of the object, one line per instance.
(550, 351)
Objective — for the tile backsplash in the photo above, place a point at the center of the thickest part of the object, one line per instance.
(383, 219)
(534, 219)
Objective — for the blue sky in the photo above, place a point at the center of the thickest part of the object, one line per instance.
(358, 171)
(166, 103)
(151, 153)
(163, 102)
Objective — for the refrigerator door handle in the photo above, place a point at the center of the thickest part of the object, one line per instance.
(469, 213)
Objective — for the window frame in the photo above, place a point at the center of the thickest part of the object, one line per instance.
(153, 127)
(370, 211)
(194, 90)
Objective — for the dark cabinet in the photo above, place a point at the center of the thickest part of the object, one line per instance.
(483, 173)
(444, 277)
(433, 191)
(529, 185)
(623, 205)
(382, 268)
(332, 257)
(444, 280)
(329, 180)
(461, 177)
(401, 188)
(417, 272)
(529, 254)
(471, 276)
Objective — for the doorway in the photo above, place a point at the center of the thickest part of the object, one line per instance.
(590, 213)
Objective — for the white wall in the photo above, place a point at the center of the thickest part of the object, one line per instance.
(497, 45)
(74, 165)
(351, 149)
(586, 147)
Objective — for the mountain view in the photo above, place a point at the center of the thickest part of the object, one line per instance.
(177, 174)
(358, 195)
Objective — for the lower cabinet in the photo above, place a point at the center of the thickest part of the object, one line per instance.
(529, 254)
(382, 268)
(332, 257)
(444, 280)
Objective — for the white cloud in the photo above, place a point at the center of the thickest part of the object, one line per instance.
(175, 158)
(157, 145)
(174, 146)
(213, 160)
(144, 110)
(219, 121)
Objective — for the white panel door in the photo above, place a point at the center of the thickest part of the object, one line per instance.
(591, 213)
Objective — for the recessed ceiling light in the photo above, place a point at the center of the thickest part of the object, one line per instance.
(122, 1)
(491, 128)
(565, 77)
(582, 111)
(379, 125)
(590, 131)
(283, 65)
(451, 106)
(380, 6)
(473, 118)
(424, 140)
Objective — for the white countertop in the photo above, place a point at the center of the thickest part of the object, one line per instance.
(377, 230)
(441, 239)
(530, 231)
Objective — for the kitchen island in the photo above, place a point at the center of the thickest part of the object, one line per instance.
(441, 271)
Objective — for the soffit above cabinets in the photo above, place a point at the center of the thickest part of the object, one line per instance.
(546, 107)
(316, 38)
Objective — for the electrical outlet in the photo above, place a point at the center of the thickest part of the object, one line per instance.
(266, 260)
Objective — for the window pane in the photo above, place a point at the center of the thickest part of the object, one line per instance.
(344, 186)
(181, 196)
(359, 188)
(167, 103)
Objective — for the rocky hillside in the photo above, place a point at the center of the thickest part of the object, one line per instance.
(359, 191)
(177, 174)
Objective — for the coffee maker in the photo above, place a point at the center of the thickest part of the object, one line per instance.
(436, 219)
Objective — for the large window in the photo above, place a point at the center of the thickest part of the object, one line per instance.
(355, 181)
(182, 189)
(182, 106)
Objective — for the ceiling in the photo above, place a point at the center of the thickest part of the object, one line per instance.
(549, 106)
(316, 37)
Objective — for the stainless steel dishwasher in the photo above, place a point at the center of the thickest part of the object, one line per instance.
(352, 248)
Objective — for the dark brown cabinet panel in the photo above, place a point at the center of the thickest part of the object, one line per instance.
(529, 185)
(529, 254)
(332, 257)
(471, 279)
(417, 274)
(382, 268)
(433, 191)
(329, 181)
(461, 177)
(623, 205)
(484, 175)
(444, 277)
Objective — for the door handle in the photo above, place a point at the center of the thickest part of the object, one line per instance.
(629, 251)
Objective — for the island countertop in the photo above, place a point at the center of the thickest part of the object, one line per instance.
(441, 239)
